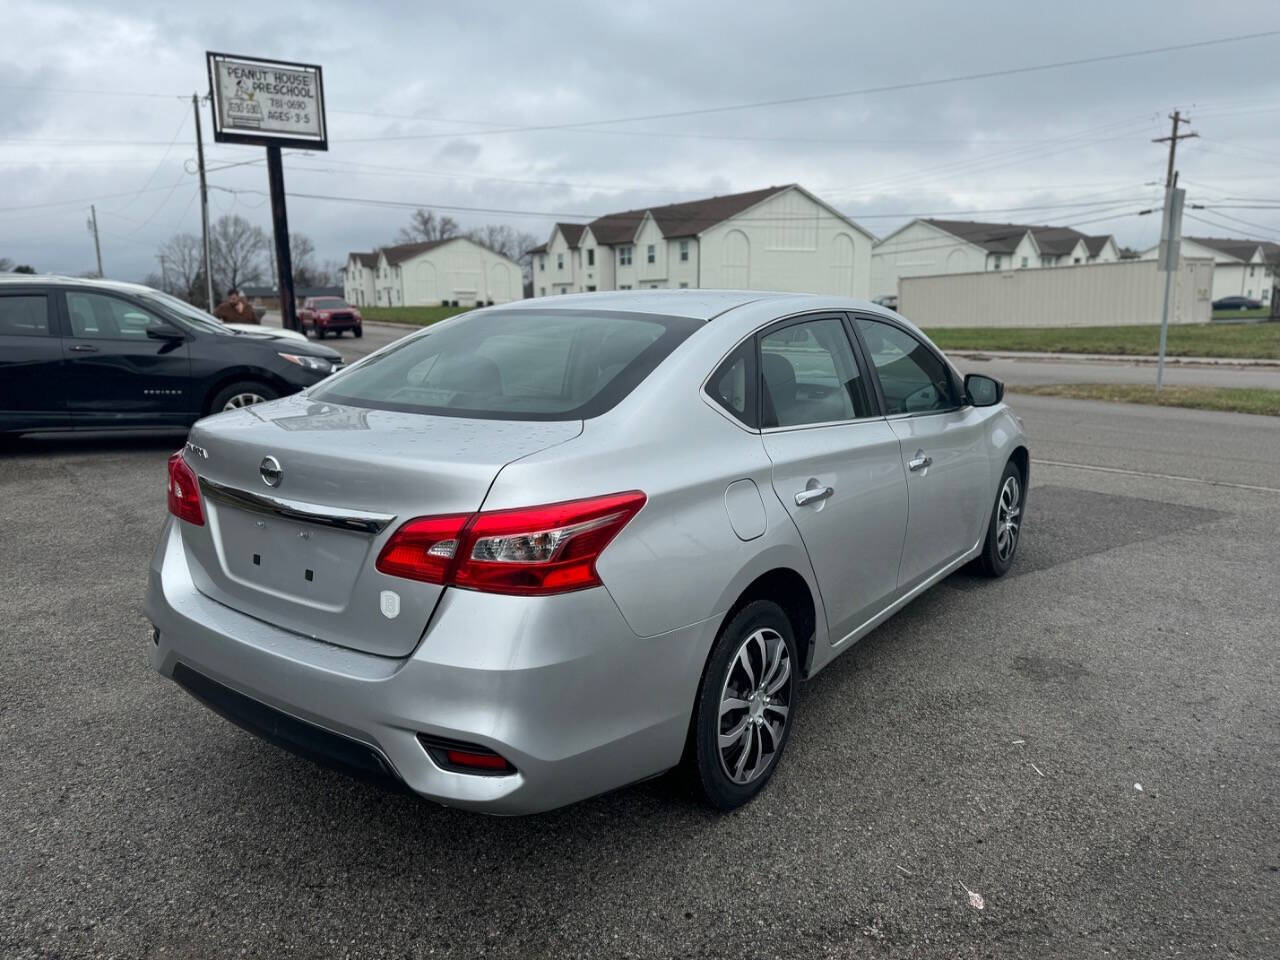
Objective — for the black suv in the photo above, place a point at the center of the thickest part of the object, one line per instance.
(93, 355)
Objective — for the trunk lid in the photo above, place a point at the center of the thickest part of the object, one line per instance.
(301, 554)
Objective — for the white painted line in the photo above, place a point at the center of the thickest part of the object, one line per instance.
(1156, 476)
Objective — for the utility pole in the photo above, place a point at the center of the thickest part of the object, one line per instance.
(1170, 230)
(164, 272)
(280, 230)
(204, 204)
(93, 228)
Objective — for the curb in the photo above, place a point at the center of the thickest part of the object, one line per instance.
(1112, 358)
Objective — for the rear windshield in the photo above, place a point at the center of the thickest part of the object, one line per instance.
(515, 365)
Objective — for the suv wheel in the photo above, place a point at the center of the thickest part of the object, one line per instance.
(745, 705)
(237, 395)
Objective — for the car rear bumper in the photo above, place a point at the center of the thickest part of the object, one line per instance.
(559, 686)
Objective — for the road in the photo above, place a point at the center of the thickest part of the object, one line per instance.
(1092, 745)
(1013, 372)
(1031, 372)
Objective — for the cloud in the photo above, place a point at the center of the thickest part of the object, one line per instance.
(451, 76)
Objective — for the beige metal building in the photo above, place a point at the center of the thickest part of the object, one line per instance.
(1088, 295)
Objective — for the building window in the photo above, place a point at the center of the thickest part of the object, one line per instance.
(1251, 269)
(652, 254)
(624, 259)
(995, 263)
(1024, 261)
(591, 288)
(684, 286)
(542, 263)
(591, 257)
(684, 251)
(625, 286)
(559, 261)
(1076, 260)
(542, 291)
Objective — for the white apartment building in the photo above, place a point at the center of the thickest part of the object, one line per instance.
(1241, 268)
(927, 247)
(778, 238)
(453, 270)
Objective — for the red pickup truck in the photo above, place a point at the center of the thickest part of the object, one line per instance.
(325, 315)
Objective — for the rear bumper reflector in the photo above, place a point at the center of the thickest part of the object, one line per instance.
(461, 757)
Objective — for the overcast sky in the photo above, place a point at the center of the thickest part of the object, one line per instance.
(1074, 143)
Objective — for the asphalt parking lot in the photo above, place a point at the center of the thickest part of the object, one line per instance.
(1091, 745)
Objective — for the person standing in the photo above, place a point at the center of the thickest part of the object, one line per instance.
(236, 309)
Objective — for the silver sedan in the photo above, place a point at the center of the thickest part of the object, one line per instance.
(546, 549)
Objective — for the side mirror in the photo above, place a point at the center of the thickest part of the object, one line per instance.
(161, 331)
(983, 391)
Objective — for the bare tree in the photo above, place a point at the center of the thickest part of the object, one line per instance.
(238, 252)
(425, 225)
(507, 241)
(183, 265)
(5, 264)
(302, 253)
(330, 274)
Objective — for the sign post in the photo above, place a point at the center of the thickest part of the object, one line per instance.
(1170, 247)
(272, 104)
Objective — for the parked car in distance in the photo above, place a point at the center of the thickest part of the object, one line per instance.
(324, 315)
(890, 301)
(1237, 303)
(100, 354)
(533, 553)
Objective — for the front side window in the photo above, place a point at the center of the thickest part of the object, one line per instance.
(913, 378)
(651, 253)
(810, 375)
(518, 365)
(24, 315)
(96, 316)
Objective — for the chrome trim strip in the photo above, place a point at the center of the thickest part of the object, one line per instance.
(371, 523)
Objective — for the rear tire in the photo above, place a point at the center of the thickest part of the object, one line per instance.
(743, 716)
(1004, 531)
(319, 334)
(243, 394)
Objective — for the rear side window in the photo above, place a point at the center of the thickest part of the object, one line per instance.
(913, 378)
(24, 315)
(733, 385)
(810, 375)
(517, 365)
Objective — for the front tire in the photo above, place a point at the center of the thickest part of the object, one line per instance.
(745, 706)
(359, 331)
(1004, 532)
(243, 394)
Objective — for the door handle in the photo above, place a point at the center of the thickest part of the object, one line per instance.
(813, 495)
(919, 461)
(83, 348)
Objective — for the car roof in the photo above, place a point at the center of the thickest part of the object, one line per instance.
(694, 304)
(56, 280)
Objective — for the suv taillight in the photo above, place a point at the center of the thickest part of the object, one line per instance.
(526, 551)
(184, 491)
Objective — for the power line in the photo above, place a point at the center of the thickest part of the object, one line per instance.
(841, 94)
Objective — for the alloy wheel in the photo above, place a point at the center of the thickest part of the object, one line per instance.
(1008, 511)
(238, 400)
(755, 705)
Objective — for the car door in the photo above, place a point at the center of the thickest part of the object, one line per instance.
(943, 447)
(837, 467)
(31, 390)
(126, 366)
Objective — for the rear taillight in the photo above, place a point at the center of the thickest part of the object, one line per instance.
(423, 549)
(184, 491)
(529, 550)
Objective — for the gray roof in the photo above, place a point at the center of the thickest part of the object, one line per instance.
(1240, 249)
(369, 260)
(685, 219)
(1094, 244)
(572, 233)
(403, 251)
(1005, 237)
